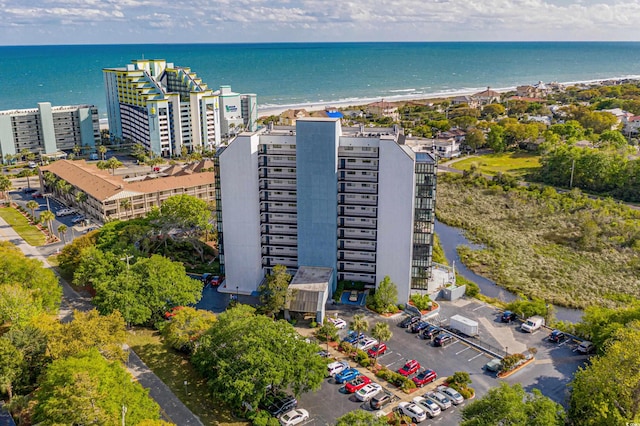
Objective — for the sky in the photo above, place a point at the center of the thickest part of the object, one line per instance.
(38, 22)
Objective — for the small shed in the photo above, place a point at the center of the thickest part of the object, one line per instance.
(309, 291)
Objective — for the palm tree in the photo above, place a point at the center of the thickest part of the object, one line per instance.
(62, 232)
(382, 333)
(33, 205)
(102, 150)
(9, 158)
(5, 185)
(77, 150)
(47, 217)
(359, 324)
(24, 152)
(126, 205)
(28, 173)
(113, 163)
(50, 180)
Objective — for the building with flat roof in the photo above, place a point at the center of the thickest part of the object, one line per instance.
(355, 200)
(167, 108)
(49, 130)
(107, 197)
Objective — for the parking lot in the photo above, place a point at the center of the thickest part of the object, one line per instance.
(550, 373)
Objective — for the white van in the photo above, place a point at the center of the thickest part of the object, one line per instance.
(336, 367)
(532, 324)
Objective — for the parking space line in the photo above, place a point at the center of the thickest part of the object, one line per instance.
(479, 307)
(479, 355)
(465, 349)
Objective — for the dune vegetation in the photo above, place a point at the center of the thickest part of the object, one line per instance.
(565, 248)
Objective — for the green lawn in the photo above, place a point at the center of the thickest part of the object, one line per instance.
(173, 369)
(515, 163)
(30, 233)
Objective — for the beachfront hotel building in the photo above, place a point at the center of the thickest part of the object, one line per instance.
(49, 130)
(102, 196)
(166, 107)
(355, 200)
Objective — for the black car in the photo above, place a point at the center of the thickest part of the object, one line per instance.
(408, 322)
(278, 403)
(557, 336)
(443, 339)
(431, 332)
(380, 399)
(29, 190)
(418, 327)
(508, 316)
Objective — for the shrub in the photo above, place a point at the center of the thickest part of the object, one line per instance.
(407, 384)
(338, 293)
(346, 347)
(365, 362)
(510, 362)
(401, 306)
(421, 301)
(528, 307)
(313, 324)
(472, 289)
(466, 393)
(262, 418)
(384, 373)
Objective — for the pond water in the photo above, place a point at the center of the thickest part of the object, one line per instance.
(451, 238)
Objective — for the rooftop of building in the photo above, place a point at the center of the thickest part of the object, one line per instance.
(53, 109)
(103, 186)
(311, 278)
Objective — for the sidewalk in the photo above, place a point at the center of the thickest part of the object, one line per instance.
(172, 409)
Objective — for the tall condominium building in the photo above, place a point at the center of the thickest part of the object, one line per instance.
(166, 107)
(48, 130)
(356, 200)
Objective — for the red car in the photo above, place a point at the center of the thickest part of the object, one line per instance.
(37, 195)
(409, 368)
(377, 350)
(356, 384)
(424, 377)
(216, 280)
(172, 313)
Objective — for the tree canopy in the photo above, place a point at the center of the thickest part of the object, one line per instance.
(511, 405)
(275, 289)
(186, 327)
(243, 353)
(385, 298)
(361, 418)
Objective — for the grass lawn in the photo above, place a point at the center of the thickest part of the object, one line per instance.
(30, 233)
(173, 369)
(514, 163)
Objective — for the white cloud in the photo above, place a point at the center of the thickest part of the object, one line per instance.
(281, 20)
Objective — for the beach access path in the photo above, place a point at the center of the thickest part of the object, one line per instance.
(172, 409)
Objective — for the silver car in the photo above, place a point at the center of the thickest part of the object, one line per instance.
(452, 394)
(439, 398)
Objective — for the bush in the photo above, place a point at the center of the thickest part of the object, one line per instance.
(421, 301)
(459, 378)
(510, 362)
(472, 289)
(327, 331)
(346, 347)
(407, 384)
(466, 393)
(527, 308)
(338, 293)
(313, 324)
(385, 374)
(401, 306)
(262, 418)
(365, 362)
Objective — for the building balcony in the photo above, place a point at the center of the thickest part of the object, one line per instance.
(277, 207)
(357, 164)
(357, 176)
(357, 234)
(278, 229)
(357, 222)
(358, 267)
(358, 188)
(356, 245)
(358, 200)
(287, 218)
(357, 152)
(271, 261)
(355, 211)
(274, 195)
(287, 251)
(270, 184)
(356, 256)
(353, 276)
(280, 240)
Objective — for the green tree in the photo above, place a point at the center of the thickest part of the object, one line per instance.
(62, 233)
(382, 333)
(275, 289)
(185, 218)
(464, 122)
(511, 405)
(95, 266)
(125, 204)
(71, 254)
(186, 327)
(474, 139)
(28, 173)
(526, 308)
(496, 138)
(102, 150)
(328, 331)
(88, 389)
(31, 342)
(385, 298)
(112, 163)
(361, 418)
(18, 305)
(5, 185)
(243, 353)
(33, 205)
(77, 150)
(10, 366)
(359, 324)
(607, 390)
(492, 111)
(47, 218)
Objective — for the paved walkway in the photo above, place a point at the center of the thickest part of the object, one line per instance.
(173, 410)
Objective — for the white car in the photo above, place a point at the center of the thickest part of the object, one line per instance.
(412, 410)
(337, 367)
(366, 343)
(368, 392)
(427, 405)
(439, 398)
(294, 417)
(452, 394)
(65, 212)
(338, 322)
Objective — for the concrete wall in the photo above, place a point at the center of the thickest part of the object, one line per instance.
(47, 128)
(395, 216)
(317, 183)
(86, 127)
(241, 215)
(7, 144)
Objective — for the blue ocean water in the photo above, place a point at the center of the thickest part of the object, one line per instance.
(300, 73)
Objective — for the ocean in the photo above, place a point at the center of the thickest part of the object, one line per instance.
(299, 74)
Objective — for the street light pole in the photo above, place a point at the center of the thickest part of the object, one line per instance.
(237, 294)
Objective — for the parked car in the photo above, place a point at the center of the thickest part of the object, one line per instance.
(557, 336)
(415, 412)
(28, 190)
(294, 417)
(443, 339)
(37, 195)
(337, 367)
(409, 368)
(452, 394)
(431, 408)
(77, 219)
(508, 316)
(419, 326)
(213, 280)
(380, 400)
(431, 332)
(277, 403)
(585, 347)
(324, 354)
(366, 343)
(408, 321)
(352, 337)
(338, 322)
(424, 377)
(368, 392)
(439, 398)
(494, 365)
(356, 384)
(377, 350)
(353, 296)
(32, 165)
(532, 324)
(347, 375)
(65, 212)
